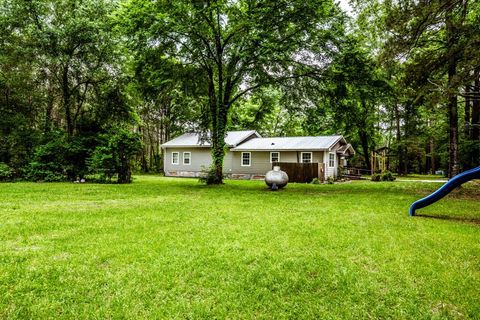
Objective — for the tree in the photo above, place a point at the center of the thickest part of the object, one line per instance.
(75, 51)
(435, 38)
(114, 156)
(268, 111)
(238, 46)
(168, 99)
(61, 84)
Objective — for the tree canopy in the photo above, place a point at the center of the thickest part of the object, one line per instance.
(77, 76)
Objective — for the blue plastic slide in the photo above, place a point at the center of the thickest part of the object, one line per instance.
(451, 184)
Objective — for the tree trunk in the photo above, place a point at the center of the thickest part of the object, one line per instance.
(467, 121)
(48, 117)
(428, 158)
(124, 172)
(67, 102)
(452, 106)
(453, 132)
(218, 152)
(218, 143)
(475, 122)
(432, 156)
(400, 154)
(365, 149)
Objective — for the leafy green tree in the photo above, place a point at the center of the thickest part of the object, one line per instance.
(60, 158)
(267, 111)
(168, 99)
(60, 72)
(115, 154)
(435, 41)
(75, 49)
(238, 46)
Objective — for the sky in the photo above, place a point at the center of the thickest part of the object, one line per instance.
(345, 6)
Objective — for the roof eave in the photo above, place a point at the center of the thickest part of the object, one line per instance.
(350, 149)
(242, 140)
(280, 149)
(335, 142)
(163, 146)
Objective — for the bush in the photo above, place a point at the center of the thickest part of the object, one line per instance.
(115, 154)
(49, 161)
(315, 181)
(102, 162)
(208, 176)
(6, 173)
(62, 158)
(376, 177)
(330, 180)
(388, 176)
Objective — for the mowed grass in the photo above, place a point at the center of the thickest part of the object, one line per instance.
(422, 177)
(173, 248)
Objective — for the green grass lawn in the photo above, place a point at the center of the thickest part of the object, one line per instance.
(425, 177)
(173, 248)
(422, 177)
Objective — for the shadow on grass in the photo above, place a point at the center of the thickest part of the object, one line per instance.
(451, 218)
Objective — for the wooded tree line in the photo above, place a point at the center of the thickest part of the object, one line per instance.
(94, 87)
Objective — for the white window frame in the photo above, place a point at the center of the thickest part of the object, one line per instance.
(301, 157)
(249, 159)
(329, 160)
(271, 161)
(178, 158)
(189, 158)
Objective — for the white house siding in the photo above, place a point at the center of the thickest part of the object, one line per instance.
(200, 157)
(332, 171)
(260, 161)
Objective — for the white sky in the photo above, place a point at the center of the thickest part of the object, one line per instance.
(345, 6)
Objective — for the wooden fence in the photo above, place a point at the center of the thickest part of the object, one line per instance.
(354, 173)
(302, 172)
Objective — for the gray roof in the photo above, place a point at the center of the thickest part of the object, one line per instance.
(320, 143)
(232, 139)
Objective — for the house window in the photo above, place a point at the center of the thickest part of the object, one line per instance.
(246, 159)
(306, 157)
(274, 157)
(186, 158)
(331, 160)
(175, 158)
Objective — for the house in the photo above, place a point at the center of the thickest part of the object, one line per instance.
(249, 155)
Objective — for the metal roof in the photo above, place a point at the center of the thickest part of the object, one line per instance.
(232, 139)
(290, 143)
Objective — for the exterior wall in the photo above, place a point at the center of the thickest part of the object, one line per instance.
(200, 157)
(260, 161)
(332, 171)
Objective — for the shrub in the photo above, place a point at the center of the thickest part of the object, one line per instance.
(315, 181)
(330, 180)
(61, 158)
(376, 177)
(102, 162)
(49, 161)
(388, 176)
(6, 173)
(115, 154)
(208, 176)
